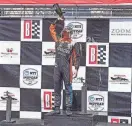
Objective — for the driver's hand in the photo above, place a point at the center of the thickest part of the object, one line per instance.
(75, 72)
(60, 18)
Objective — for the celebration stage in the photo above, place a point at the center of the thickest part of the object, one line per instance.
(76, 119)
(24, 122)
(61, 120)
(37, 122)
(109, 124)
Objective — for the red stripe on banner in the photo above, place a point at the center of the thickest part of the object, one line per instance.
(65, 1)
(92, 54)
(114, 120)
(47, 100)
(27, 29)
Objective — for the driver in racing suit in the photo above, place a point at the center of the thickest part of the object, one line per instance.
(66, 52)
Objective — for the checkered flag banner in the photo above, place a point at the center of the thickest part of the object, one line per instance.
(31, 30)
(35, 29)
(101, 54)
(53, 100)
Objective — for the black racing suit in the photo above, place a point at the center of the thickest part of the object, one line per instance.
(66, 52)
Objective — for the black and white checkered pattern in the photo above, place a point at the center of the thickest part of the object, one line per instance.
(112, 59)
(53, 98)
(36, 29)
(102, 55)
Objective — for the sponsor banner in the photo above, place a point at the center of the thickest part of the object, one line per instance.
(48, 53)
(47, 100)
(119, 120)
(14, 93)
(10, 52)
(31, 29)
(120, 31)
(97, 101)
(65, 2)
(97, 54)
(30, 76)
(119, 77)
(79, 29)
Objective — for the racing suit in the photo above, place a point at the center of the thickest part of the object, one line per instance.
(67, 54)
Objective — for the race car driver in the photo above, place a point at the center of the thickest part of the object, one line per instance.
(67, 53)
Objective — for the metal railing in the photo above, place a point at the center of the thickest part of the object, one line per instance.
(71, 11)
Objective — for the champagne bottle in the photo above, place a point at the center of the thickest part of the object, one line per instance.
(58, 9)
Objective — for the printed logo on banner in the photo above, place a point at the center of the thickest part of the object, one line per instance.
(30, 76)
(9, 52)
(120, 30)
(76, 83)
(78, 29)
(14, 93)
(47, 100)
(115, 120)
(119, 120)
(119, 77)
(97, 101)
(97, 55)
(48, 53)
(124, 121)
(77, 80)
(31, 30)
(4, 98)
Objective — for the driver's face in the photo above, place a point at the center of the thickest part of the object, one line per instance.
(66, 34)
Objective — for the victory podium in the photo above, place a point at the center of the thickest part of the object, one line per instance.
(76, 119)
(82, 118)
(24, 122)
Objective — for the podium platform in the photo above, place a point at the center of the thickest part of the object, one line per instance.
(77, 119)
(24, 122)
(109, 124)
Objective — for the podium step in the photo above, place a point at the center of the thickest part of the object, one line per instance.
(23, 122)
(77, 119)
(109, 124)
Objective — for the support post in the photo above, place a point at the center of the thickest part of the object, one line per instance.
(8, 99)
(8, 109)
(84, 99)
